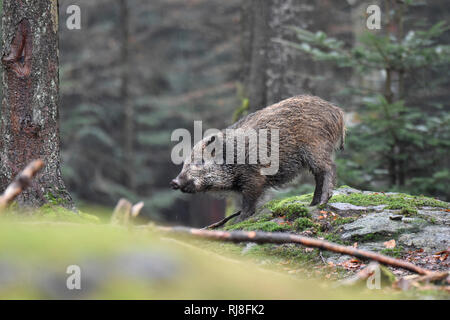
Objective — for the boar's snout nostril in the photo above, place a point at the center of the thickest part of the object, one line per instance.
(175, 184)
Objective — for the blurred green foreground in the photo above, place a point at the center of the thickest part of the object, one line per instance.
(123, 263)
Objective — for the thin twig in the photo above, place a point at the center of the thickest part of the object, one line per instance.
(278, 237)
(222, 222)
(20, 183)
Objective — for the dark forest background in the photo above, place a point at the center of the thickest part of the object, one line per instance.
(139, 69)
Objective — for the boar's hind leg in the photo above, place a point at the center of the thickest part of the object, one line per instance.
(325, 181)
(319, 177)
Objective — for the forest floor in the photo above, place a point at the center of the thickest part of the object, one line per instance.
(128, 262)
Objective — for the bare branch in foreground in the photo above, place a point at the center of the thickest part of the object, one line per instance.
(278, 237)
(362, 275)
(21, 182)
(136, 209)
(222, 222)
(125, 211)
(121, 214)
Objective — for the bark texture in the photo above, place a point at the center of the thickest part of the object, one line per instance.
(29, 115)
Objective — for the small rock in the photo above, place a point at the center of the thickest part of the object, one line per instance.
(345, 191)
(346, 209)
(397, 217)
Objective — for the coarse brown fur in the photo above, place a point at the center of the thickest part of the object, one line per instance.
(310, 129)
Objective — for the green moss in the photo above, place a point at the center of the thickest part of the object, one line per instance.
(333, 237)
(291, 207)
(396, 252)
(284, 252)
(55, 199)
(408, 211)
(398, 201)
(380, 236)
(261, 223)
(301, 224)
(50, 212)
(340, 221)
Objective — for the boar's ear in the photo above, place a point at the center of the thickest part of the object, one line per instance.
(210, 140)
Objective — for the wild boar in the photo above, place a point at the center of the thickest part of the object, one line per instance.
(308, 130)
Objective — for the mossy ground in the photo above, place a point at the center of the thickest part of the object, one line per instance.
(204, 269)
(50, 213)
(261, 223)
(296, 215)
(208, 272)
(399, 201)
(293, 214)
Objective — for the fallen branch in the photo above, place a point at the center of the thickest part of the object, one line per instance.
(222, 222)
(277, 237)
(20, 183)
(407, 282)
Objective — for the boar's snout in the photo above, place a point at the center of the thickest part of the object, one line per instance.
(174, 184)
(185, 185)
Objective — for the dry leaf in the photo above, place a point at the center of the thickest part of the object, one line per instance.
(390, 244)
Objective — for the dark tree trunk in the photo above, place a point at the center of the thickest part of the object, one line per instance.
(128, 136)
(255, 15)
(29, 115)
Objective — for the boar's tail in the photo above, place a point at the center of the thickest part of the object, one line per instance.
(343, 130)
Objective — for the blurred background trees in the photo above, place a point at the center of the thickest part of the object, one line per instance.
(402, 137)
(139, 69)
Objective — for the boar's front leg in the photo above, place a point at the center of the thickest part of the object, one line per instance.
(248, 206)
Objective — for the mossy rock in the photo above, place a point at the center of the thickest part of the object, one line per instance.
(291, 207)
(393, 201)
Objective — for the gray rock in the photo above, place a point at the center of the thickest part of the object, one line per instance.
(378, 208)
(431, 238)
(345, 191)
(376, 223)
(347, 209)
(436, 216)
